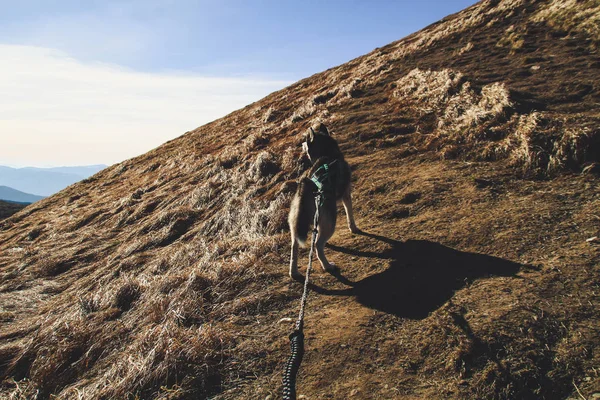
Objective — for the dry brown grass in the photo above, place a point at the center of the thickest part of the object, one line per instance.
(429, 89)
(572, 16)
(135, 327)
(484, 12)
(512, 40)
(483, 124)
(468, 47)
(8, 208)
(303, 112)
(165, 276)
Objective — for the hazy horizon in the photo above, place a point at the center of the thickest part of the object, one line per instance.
(45, 181)
(52, 166)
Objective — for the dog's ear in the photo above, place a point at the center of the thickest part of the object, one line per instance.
(308, 136)
(323, 129)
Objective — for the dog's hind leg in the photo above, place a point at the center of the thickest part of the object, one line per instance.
(347, 201)
(326, 229)
(294, 274)
(302, 210)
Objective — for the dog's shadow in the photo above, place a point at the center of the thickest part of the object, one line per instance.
(421, 277)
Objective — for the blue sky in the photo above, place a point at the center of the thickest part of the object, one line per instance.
(86, 75)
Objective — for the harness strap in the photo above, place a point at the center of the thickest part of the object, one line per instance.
(319, 179)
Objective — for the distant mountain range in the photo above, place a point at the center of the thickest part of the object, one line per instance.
(44, 181)
(10, 194)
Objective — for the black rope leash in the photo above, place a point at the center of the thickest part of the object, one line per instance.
(297, 336)
(293, 365)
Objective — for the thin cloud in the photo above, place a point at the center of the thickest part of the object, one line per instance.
(58, 110)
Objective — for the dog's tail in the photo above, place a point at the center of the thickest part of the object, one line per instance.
(302, 210)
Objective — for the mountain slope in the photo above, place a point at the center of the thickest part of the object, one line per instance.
(45, 181)
(473, 145)
(10, 194)
(8, 208)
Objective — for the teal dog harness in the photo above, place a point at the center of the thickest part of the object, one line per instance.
(322, 179)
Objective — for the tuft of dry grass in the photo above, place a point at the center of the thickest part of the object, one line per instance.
(465, 49)
(248, 220)
(430, 89)
(348, 90)
(512, 40)
(547, 145)
(264, 166)
(572, 16)
(573, 148)
(466, 110)
(159, 358)
(303, 112)
(484, 124)
(270, 115)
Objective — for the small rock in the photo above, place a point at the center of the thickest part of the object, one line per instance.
(285, 320)
(595, 396)
(587, 379)
(269, 397)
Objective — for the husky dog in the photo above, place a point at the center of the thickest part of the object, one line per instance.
(329, 173)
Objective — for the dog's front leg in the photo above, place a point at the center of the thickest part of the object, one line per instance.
(347, 201)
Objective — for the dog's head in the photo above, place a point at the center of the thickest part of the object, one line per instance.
(319, 143)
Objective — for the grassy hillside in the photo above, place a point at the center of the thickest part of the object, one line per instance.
(474, 146)
(8, 208)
